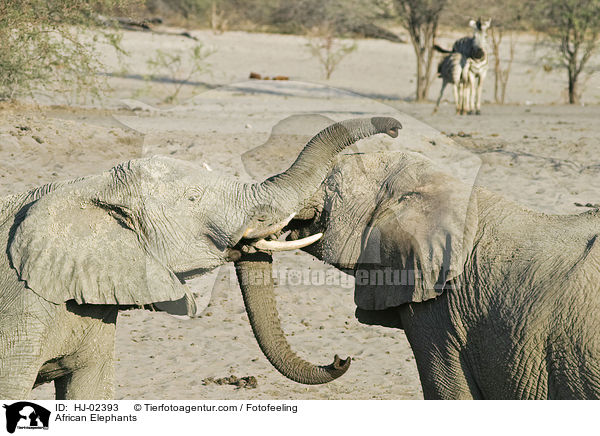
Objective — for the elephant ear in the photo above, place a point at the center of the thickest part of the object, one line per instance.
(419, 238)
(185, 306)
(76, 244)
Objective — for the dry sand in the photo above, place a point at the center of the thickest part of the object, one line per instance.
(536, 151)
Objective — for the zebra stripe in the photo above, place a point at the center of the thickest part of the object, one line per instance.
(454, 68)
(475, 49)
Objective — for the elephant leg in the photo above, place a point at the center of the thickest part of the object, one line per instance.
(436, 345)
(90, 367)
(20, 359)
(17, 382)
(90, 373)
(444, 376)
(93, 381)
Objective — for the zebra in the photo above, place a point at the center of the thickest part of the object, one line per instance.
(455, 69)
(474, 48)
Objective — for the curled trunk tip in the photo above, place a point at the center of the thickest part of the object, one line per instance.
(254, 272)
(387, 125)
(339, 366)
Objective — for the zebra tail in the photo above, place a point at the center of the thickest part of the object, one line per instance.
(440, 49)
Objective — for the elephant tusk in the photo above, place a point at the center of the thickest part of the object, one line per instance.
(265, 245)
(251, 233)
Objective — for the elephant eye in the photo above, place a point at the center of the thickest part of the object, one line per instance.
(193, 194)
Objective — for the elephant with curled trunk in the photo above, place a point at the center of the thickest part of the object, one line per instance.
(496, 301)
(76, 252)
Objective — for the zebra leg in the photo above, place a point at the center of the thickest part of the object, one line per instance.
(464, 90)
(463, 95)
(466, 80)
(479, 89)
(457, 98)
(470, 106)
(437, 104)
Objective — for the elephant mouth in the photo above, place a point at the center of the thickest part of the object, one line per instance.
(294, 234)
(346, 255)
(267, 245)
(300, 228)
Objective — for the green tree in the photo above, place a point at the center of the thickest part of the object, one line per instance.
(45, 45)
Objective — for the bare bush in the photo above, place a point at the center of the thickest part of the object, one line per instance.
(328, 50)
(421, 18)
(574, 28)
(218, 18)
(501, 69)
(178, 68)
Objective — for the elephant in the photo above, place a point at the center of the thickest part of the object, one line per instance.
(77, 252)
(496, 301)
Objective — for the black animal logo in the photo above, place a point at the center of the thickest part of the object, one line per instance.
(28, 415)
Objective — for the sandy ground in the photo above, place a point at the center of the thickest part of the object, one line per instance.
(535, 150)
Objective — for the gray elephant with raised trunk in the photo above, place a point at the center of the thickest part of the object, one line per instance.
(77, 252)
(497, 301)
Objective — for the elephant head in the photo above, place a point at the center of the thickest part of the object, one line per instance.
(403, 227)
(132, 235)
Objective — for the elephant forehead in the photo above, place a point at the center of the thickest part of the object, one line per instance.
(161, 176)
(162, 168)
(155, 168)
(368, 174)
(356, 171)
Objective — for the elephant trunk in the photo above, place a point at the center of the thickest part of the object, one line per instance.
(254, 272)
(287, 192)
